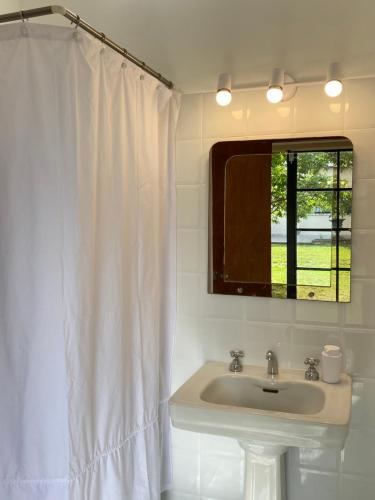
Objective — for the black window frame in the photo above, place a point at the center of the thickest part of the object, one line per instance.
(292, 226)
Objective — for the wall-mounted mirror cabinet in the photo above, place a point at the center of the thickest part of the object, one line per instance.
(280, 218)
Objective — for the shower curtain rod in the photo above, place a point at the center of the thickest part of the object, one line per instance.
(75, 19)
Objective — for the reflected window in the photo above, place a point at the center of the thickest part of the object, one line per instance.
(311, 224)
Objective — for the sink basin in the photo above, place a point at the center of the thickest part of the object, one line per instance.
(286, 410)
(247, 392)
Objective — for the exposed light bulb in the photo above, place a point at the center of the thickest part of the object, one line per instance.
(224, 88)
(275, 94)
(223, 97)
(333, 88)
(275, 89)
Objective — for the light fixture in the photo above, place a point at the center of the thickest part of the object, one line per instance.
(333, 86)
(224, 90)
(275, 91)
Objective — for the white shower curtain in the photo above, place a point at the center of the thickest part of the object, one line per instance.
(87, 269)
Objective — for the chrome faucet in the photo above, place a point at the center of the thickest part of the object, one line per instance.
(272, 368)
(236, 365)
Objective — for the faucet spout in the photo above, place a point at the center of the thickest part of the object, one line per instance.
(272, 368)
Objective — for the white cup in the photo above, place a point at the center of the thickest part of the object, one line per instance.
(331, 364)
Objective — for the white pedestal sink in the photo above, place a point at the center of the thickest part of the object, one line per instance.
(267, 415)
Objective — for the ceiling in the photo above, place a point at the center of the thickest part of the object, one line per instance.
(191, 41)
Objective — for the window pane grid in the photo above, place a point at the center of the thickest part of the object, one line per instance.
(338, 190)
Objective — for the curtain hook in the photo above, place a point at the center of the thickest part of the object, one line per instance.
(142, 77)
(23, 28)
(76, 21)
(124, 53)
(102, 38)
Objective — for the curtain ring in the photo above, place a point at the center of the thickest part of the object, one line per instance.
(77, 21)
(22, 16)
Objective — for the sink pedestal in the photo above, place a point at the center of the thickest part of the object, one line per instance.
(264, 472)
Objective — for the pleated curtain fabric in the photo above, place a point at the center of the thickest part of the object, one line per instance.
(87, 269)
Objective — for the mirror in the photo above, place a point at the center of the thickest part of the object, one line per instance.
(280, 218)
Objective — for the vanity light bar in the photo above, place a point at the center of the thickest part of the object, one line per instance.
(333, 84)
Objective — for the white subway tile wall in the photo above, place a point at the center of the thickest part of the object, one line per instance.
(211, 467)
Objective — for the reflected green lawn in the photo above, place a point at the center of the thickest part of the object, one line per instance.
(310, 255)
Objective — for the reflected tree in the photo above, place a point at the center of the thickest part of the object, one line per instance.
(315, 170)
